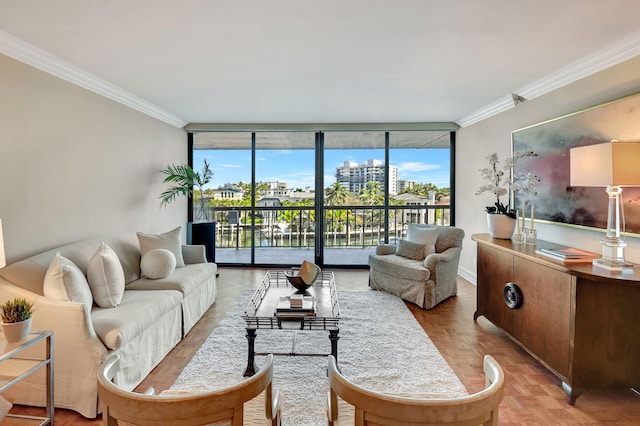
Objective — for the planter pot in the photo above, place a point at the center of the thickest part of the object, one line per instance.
(16, 331)
(500, 226)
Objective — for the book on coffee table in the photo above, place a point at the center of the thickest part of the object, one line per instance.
(285, 307)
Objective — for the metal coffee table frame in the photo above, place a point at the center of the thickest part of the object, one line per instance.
(261, 309)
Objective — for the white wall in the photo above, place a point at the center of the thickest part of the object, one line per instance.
(477, 141)
(75, 165)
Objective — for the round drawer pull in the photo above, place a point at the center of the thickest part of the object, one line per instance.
(512, 295)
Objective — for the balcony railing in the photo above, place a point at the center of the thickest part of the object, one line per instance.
(344, 226)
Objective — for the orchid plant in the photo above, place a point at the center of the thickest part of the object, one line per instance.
(502, 181)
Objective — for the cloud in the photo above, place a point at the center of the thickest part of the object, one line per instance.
(230, 166)
(413, 166)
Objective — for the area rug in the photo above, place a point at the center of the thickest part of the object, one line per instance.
(382, 347)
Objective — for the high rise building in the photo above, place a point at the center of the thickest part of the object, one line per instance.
(354, 177)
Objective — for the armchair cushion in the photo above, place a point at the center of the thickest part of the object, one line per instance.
(411, 250)
(424, 234)
(400, 267)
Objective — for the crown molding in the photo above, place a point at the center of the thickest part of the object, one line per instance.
(613, 54)
(24, 52)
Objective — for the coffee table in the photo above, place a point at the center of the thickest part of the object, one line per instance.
(260, 312)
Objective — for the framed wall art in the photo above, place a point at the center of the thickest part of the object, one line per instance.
(556, 201)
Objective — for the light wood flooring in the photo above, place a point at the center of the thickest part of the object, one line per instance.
(532, 396)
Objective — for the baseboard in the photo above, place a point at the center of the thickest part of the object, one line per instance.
(468, 275)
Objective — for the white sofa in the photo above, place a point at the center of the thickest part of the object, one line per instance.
(151, 319)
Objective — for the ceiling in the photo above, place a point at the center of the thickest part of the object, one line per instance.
(329, 61)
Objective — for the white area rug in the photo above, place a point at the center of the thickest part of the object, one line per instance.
(382, 347)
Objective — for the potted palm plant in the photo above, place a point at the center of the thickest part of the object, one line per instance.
(185, 179)
(16, 318)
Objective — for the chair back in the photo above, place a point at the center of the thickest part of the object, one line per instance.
(186, 408)
(381, 409)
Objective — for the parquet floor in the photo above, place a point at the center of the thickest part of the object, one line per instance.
(532, 397)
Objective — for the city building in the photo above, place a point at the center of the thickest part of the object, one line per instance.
(354, 177)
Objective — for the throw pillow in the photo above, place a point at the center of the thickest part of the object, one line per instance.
(64, 281)
(426, 235)
(410, 250)
(158, 263)
(169, 241)
(106, 277)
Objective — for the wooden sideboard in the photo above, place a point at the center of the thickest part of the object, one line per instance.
(580, 321)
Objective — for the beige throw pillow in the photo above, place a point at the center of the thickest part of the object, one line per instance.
(64, 281)
(169, 241)
(158, 263)
(426, 235)
(410, 250)
(106, 277)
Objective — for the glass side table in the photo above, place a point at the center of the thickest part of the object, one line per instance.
(16, 365)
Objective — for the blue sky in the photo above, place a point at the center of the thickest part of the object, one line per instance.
(296, 167)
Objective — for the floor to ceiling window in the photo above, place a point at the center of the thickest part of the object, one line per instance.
(285, 197)
(354, 183)
(331, 196)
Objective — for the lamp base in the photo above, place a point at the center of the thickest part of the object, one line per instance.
(615, 265)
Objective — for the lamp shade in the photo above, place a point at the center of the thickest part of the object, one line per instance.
(613, 163)
(3, 261)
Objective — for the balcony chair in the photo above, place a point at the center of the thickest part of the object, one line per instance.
(371, 407)
(185, 408)
(423, 268)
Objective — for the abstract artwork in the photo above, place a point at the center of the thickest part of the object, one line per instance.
(556, 200)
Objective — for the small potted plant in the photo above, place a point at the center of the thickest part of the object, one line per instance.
(16, 319)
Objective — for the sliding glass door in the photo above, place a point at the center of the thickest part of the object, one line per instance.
(230, 194)
(354, 196)
(284, 206)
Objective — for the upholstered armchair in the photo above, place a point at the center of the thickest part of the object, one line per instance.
(423, 268)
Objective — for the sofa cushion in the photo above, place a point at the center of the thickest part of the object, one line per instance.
(423, 234)
(106, 277)
(400, 267)
(64, 281)
(158, 263)
(185, 279)
(410, 250)
(137, 311)
(169, 241)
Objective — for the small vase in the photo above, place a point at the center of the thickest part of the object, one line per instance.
(16, 331)
(500, 226)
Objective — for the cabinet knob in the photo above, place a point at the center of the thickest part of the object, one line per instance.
(512, 295)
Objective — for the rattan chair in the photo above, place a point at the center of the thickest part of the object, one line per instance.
(381, 409)
(185, 409)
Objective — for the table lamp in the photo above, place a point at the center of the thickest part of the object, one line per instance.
(612, 165)
(3, 261)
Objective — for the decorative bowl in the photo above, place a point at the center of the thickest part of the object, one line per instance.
(297, 282)
(305, 277)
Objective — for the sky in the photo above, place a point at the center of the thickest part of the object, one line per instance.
(296, 167)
